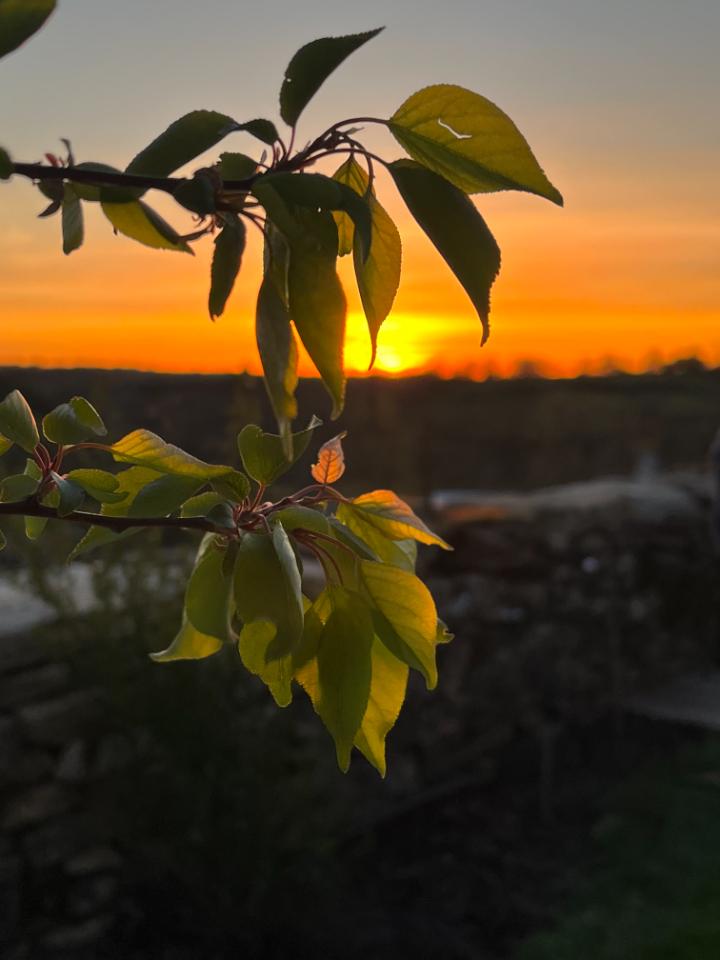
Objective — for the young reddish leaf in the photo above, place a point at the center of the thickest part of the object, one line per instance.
(330, 464)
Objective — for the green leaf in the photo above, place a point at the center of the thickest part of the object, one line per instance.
(317, 304)
(443, 634)
(207, 596)
(405, 617)
(311, 66)
(229, 247)
(345, 671)
(19, 486)
(98, 484)
(469, 141)
(5, 444)
(387, 694)
(234, 486)
(318, 192)
(71, 495)
(88, 191)
(35, 527)
(399, 553)
(459, 233)
(378, 274)
(189, 644)
(254, 642)
(72, 220)
(129, 484)
(278, 353)
(73, 422)
(138, 221)
(196, 194)
(17, 422)
(263, 454)
(162, 496)
(265, 588)
(20, 19)
(391, 517)
(146, 449)
(183, 140)
(302, 518)
(264, 130)
(236, 166)
(281, 646)
(6, 165)
(202, 504)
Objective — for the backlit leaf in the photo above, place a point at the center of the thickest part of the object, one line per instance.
(405, 618)
(318, 192)
(146, 449)
(18, 486)
(393, 518)
(5, 444)
(457, 230)
(254, 643)
(138, 221)
(162, 496)
(344, 671)
(263, 454)
(387, 693)
(302, 518)
(317, 303)
(378, 275)
(469, 141)
(98, 484)
(262, 590)
(229, 247)
(129, 482)
(278, 352)
(311, 66)
(17, 422)
(35, 527)
(73, 230)
(202, 504)
(73, 422)
(183, 140)
(400, 553)
(20, 19)
(189, 644)
(208, 591)
(330, 465)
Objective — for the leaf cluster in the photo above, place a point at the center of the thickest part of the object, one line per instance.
(349, 643)
(457, 143)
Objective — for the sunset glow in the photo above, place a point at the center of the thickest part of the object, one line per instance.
(627, 275)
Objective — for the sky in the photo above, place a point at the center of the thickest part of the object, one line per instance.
(618, 100)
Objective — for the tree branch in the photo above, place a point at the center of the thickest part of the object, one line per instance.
(100, 178)
(30, 508)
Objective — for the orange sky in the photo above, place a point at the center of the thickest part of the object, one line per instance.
(627, 274)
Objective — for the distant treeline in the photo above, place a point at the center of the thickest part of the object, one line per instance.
(419, 434)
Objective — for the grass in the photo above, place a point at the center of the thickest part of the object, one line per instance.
(653, 891)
